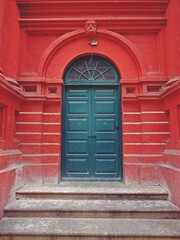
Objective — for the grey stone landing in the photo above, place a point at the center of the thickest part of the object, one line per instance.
(91, 210)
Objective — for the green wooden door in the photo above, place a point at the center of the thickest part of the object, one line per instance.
(91, 132)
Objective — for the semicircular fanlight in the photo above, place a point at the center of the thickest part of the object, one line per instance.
(91, 70)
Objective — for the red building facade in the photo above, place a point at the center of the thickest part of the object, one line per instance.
(41, 40)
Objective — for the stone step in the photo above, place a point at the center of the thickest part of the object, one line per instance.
(89, 190)
(81, 228)
(92, 208)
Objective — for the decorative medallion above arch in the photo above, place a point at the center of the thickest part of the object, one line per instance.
(120, 51)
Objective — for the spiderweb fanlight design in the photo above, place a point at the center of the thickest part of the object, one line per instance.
(91, 70)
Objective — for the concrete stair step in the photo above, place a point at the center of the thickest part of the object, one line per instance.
(89, 190)
(80, 228)
(92, 208)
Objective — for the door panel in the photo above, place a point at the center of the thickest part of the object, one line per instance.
(91, 136)
(106, 114)
(76, 124)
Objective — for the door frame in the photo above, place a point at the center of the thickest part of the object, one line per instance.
(120, 160)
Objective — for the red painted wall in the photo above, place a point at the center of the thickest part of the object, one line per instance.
(10, 155)
(170, 174)
(37, 43)
(10, 101)
(10, 37)
(173, 39)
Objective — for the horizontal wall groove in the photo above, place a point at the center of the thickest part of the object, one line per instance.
(40, 154)
(145, 144)
(141, 133)
(51, 133)
(144, 112)
(43, 123)
(142, 155)
(41, 113)
(126, 123)
(38, 133)
(27, 133)
(38, 144)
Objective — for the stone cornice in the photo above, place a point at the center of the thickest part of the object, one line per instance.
(39, 8)
(120, 23)
(117, 15)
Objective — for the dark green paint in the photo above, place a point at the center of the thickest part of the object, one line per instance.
(91, 135)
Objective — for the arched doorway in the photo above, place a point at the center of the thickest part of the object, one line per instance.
(91, 141)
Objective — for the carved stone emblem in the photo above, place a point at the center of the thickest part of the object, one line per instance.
(91, 28)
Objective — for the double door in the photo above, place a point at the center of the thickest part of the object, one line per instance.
(91, 134)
